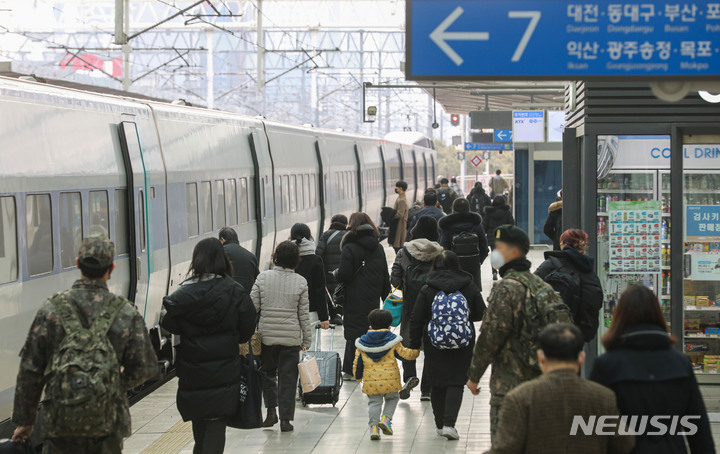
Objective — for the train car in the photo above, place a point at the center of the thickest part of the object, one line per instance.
(157, 178)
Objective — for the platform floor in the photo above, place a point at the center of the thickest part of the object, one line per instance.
(158, 428)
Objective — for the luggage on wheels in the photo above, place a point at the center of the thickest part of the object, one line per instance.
(328, 392)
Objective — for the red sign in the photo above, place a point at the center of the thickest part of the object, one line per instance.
(476, 161)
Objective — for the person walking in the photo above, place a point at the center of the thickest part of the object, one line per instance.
(446, 196)
(442, 321)
(571, 272)
(430, 208)
(87, 318)
(553, 223)
(244, 263)
(281, 297)
(498, 184)
(650, 377)
(401, 215)
(537, 416)
(312, 269)
(479, 199)
(212, 314)
(521, 304)
(456, 187)
(363, 271)
(328, 248)
(462, 232)
(409, 272)
(496, 215)
(376, 366)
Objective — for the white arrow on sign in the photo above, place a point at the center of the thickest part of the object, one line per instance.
(440, 36)
(501, 135)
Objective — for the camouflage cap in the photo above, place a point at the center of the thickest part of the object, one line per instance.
(96, 252)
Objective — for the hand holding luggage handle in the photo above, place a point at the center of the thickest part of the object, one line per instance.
(317, 336)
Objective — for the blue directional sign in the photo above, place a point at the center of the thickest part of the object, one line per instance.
(488, 146)
(533, 39)
(503, 135)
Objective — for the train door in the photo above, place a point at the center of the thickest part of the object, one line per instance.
(359, 171)
(264, 195)
(415, 176)
(384, 174)
(426, 183)
(137, 193)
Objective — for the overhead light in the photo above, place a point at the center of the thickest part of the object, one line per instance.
(709, 97)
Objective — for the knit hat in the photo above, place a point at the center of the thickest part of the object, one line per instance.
(426, 227)
(513, 235)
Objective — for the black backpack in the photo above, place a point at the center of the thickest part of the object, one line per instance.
(583, 298)
(445, 199)
(416, 275)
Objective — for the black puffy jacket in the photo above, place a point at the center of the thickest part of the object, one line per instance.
(328, 248)
(470, 222)
(312, 269)
(245, 264)
(649, 377)
(212, 317)
(493, 218)
(364, 271)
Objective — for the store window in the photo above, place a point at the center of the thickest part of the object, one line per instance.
(8, 240)
(71, 228)
(38, 218)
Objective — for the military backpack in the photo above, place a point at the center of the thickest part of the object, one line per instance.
(542, 306)
(83, 378)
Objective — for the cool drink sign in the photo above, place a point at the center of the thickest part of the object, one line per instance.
(534, 39)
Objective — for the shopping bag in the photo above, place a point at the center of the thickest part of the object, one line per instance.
(256, 343)
(249, 410)
(394, 303)
(309, 374)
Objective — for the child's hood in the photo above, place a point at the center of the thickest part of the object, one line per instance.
(377, 344)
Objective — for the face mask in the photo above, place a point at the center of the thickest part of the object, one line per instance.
(497, 260)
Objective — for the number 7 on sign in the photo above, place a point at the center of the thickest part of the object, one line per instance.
(534, 17)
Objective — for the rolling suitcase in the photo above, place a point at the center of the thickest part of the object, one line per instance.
(330, 374)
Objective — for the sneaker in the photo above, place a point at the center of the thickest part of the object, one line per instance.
(337, 320)
(386, 425)
(425, 397)
(374, 433)
(450, 433)
(409, 386)
(440, 432)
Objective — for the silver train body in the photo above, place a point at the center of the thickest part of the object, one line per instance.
(157, 178)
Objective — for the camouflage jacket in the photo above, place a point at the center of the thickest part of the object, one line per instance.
(498, 343)
(127, 335)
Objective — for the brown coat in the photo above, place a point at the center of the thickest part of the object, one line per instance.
(536, 417)
(402, 208)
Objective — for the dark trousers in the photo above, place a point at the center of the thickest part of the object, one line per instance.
(446, 403)
(349, 357)
(410, 371)
(280, 378)
(209, 435)
(103, 445)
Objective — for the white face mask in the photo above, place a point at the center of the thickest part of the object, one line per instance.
(497, 260)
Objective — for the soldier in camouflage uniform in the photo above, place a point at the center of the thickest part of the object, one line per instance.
(499, 340)
(127, 335)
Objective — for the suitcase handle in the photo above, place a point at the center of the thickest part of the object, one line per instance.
(317, 336)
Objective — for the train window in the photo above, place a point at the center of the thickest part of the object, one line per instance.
(219, 204)
(251, 198)
(313, 190)
(292, 190)
(71, 231)
(300, 193)
(120, 230)
(232, 202)
(141, 220)
(38, 215)
(8, 240)
(243, 200)
(99, 219)
(191, 209)
(285, 191)
(306, 191)
(206, 207)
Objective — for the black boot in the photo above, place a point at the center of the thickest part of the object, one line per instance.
(271, 419)
(285, 426)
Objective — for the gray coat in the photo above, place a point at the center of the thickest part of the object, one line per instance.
(281, 298)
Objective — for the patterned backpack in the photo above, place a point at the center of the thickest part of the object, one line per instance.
(84, 386)
(450, 327)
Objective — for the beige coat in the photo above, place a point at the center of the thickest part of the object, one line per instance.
(402, 208)
(281, 298)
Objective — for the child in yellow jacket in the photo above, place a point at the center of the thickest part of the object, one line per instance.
(376, 365)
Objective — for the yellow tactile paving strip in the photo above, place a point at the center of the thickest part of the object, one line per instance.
(172, 441)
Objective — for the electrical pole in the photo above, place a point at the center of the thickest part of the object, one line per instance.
(260, 47)
(210, 74)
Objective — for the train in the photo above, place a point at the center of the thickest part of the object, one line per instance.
(157, 177)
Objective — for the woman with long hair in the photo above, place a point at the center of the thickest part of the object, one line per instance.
(212, 314)
(447, 305)
(650, 377)
(364, 272)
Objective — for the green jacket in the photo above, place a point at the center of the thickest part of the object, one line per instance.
(128, 336)
(498, 343)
